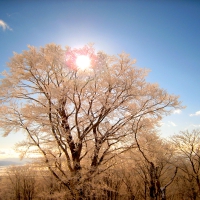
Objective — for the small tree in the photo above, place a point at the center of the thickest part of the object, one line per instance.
(157, 171)
(23, 182)
(188, 155)
(78, 120)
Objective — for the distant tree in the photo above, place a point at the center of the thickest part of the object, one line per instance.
(6, 192)
(155, 166)
(78, 119)
(49, 188)
(22, 182)
(187, 145)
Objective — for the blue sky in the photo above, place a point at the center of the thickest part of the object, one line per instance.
(164, 36)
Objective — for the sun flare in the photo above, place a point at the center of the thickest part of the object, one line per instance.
(83, 62)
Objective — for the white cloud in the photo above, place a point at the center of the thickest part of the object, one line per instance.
(8, 153)
(195, 114)
(171, 123)
(177, 111)
(168, 124)
(195, 125)
(161, 123)
(192, 127)
(4, 25)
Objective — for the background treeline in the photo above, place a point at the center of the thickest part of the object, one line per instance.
(154, 168)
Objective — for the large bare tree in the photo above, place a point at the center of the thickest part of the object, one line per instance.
(78, 119)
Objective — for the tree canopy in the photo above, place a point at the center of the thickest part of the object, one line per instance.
(79, 120)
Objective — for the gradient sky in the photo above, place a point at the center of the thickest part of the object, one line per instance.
(164, 36)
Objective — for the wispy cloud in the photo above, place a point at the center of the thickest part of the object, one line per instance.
(195, 125)
(171, 123)
(8, 153)
(11, 14)
(177, 111)
(168, 124)
(161, 123)
(4, 25)
(192, 127)
(195, 114)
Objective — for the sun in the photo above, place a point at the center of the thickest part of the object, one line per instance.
(83, 62)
